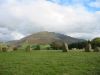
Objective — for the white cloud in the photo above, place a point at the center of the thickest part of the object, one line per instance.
(95, 4)
(40, 15)
(17, 35)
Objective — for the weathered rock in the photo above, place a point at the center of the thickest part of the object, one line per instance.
(28, 48)
(65, 47)
(88, 47)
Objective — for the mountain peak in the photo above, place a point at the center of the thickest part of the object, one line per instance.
(46, 37)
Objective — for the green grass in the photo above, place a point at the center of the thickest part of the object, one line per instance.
(49, 63)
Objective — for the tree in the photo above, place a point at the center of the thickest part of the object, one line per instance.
(56, 45)
(97, 49)
(35, 47)
(96, 42)
(78, 45)
(45, 47)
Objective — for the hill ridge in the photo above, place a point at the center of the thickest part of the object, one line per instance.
(46, 37)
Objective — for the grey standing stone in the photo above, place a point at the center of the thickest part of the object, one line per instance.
(88, 47)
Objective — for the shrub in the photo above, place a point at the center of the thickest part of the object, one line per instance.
(4, 49)
(15, 48)
(45, 47)
(56, 45)
(97, 49)
(96, 42)
(35, 47)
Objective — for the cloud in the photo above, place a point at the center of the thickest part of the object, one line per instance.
(17, 35)
(95, 4)
(26, 17)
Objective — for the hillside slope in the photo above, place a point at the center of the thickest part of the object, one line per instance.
(46, 38)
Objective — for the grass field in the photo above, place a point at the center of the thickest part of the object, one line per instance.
(49, 63)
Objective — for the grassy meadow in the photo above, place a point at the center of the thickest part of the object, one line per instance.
(49, 62)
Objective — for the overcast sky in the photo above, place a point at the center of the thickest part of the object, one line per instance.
(76, 18)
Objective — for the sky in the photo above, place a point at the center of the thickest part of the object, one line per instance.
(76, 18)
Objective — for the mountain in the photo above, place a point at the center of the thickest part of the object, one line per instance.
(46, 38)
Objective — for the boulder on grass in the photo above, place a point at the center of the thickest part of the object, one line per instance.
(65, 47)
(28, 48)
(88, 47)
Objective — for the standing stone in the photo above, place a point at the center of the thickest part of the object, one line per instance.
(88, 47)
(65, 47)
(28, 48)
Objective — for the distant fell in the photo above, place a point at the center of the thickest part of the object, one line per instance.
(46, 38)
